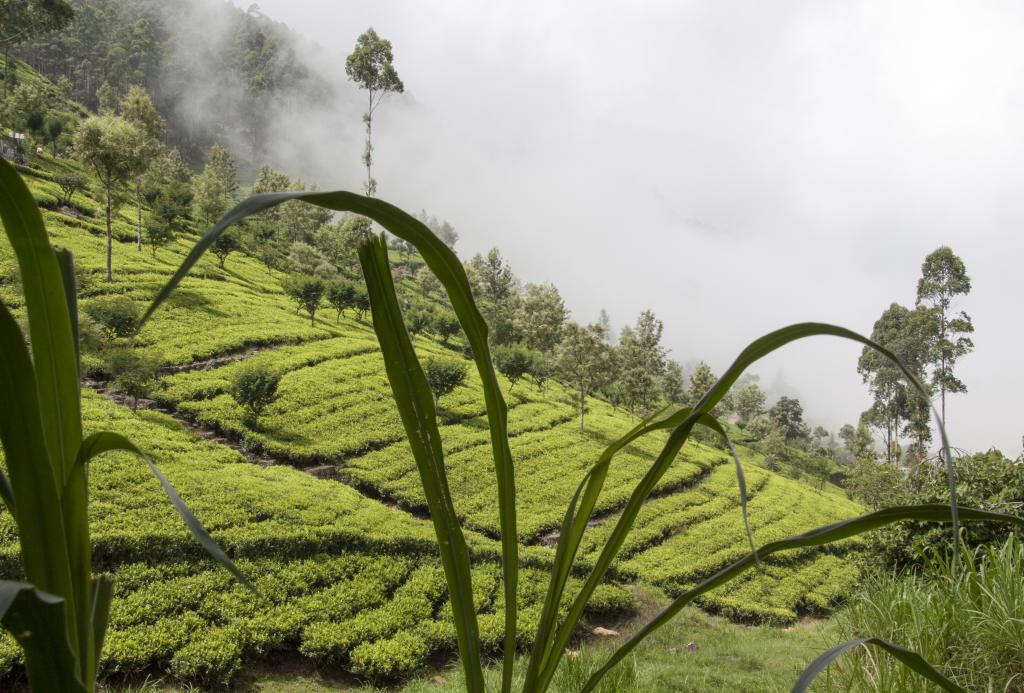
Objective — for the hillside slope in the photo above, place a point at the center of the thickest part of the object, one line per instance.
(344, 557)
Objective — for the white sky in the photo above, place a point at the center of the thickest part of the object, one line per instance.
(734, 166)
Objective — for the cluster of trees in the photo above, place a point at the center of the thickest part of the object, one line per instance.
(929, 339)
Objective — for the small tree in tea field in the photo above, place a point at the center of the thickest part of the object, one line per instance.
(444, 375)
(255, 388)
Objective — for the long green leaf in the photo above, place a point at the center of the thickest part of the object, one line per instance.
(38, 621)
(932, 512)
(32, 479)
(53, 346)
(7, 495)
(449, 271)
(102, 596)
(416, 406)
(756, 350)
(909, 658)
(55, 360)
(106, 441)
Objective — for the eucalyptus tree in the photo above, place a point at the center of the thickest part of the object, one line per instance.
(540, 316)
(943, 278)
(583, 360)
(673, 384)
(138, 109)
(496, 288)
(111, 147)
(897, 409)
(213, 190)
(642, 361)
(370, 65)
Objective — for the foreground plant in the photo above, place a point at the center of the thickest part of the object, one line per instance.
(59, 614)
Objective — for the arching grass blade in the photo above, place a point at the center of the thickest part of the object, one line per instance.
(908, 658)
(106, 441)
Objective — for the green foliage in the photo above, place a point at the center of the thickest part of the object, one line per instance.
(984, 480)
(788, 415)
(119, 315)
(113, 148)
(255, 388)
(70, 183)
(133, 375)
(673, 388)
(556, 614)
(943, 278)
(214, 188)
(446, 325)
(641, 362)
(970, 623)
(495, 287)
(749, 402)
(897, 410)
(341, 295)
(25, 19)
(419, 319)
(305, 259)
(307, 292)
(514, 362)
(584, 360)
(540, 316)
(444, 375)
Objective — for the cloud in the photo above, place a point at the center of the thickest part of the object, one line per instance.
(734, 166)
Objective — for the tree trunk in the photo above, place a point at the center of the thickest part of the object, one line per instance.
(369, 147)
(110, 275)
(138, 209)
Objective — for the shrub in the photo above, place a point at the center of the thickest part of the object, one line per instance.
(987, 480)
(69, 183)
(118, 315)
(134, 375)
(212, 658)
(307, 292)
(225, 244)
(444, 375)
(255, 387)
(446, 325)
(418, 320)
(341, 295)
(971, 624)
(513, 361)
(362, 303)
(404, 652)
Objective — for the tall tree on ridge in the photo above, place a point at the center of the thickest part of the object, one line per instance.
(111, 146)
(138, 109)
(897, 408)
(584, 360)
(642, 360)
(370, 66)
(943, 278)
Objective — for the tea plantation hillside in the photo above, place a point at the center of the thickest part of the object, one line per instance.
(343, 557)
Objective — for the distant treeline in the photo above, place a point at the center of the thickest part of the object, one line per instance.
(110, 45)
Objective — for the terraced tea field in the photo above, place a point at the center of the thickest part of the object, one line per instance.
(344, 560)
